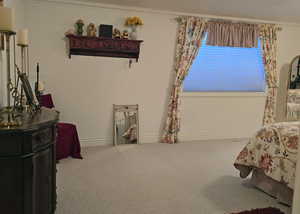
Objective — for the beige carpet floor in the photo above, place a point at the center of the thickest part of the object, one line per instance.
(186, 178)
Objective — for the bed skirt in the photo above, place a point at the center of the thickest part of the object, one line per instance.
(274, 188)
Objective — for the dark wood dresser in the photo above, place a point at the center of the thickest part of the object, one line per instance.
(28, 165)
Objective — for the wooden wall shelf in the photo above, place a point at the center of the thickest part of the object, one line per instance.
(95, 46)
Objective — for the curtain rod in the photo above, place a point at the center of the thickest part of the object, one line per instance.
(233, 20)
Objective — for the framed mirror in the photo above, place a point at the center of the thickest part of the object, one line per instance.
(126, 124)
(293, 91)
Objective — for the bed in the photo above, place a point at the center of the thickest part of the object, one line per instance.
(271, 157)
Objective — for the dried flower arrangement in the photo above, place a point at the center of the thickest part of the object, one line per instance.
(134, 20)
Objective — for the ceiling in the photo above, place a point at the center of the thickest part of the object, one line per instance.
(272, 10)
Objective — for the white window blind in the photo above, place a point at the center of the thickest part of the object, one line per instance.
(226, 69)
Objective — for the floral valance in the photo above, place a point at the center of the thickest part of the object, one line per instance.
(232, 34)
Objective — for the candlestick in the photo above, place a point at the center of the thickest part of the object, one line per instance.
(37, 92)
(7, 114)
(1, 41)
(22, 37)
(7, 22)
(37, 75)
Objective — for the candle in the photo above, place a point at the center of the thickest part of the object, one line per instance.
(7, 19)
(41, 87)
(22, 37)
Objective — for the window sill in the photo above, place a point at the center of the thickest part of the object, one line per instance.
(223, 94)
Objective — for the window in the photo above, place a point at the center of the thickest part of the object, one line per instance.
(226, 69)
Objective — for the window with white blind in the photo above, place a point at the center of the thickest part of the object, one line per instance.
(226, 69)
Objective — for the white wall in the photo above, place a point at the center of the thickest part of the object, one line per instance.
(221, 115)
(85, 88)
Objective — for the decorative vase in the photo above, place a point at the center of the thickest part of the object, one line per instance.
(133, 33)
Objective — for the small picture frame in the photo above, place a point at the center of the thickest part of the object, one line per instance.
(31, 101)
(105, 31)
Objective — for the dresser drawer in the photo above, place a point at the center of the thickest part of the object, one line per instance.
(36, 140)
(41, 138)
(10, 145)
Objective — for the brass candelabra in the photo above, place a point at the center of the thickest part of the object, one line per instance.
(16, 103)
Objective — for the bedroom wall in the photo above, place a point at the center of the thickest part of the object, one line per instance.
(20, 22)
(84, 88)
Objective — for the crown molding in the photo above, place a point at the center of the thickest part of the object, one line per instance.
(165, 12)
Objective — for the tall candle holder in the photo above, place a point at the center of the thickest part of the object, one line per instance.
(7, 115)
(24, 69)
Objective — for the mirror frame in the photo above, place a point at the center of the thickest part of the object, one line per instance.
(296, 206)
(290, 71)
(288, 84)
(125, 108)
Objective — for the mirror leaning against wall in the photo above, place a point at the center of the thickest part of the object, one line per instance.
(126, 124)
(293, 91)
(296, 203)
(293, 114)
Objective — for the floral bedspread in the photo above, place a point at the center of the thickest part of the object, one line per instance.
(274, 149)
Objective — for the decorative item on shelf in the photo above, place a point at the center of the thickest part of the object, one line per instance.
(91, 30)
(125, 34)
(117, 33)
(79, 27)
(134, 22)
(70, 32)
(106, 31)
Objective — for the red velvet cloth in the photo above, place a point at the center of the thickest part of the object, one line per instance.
(67, 141)
(269, 210)
(46, 101)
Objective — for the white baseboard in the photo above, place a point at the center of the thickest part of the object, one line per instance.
(205, 136)
(90, 142)
(229, 140)
(150, 138)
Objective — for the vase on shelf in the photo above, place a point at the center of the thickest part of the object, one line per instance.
(133, 33)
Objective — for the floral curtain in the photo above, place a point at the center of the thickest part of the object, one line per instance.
(268, 36)
(191, 31)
